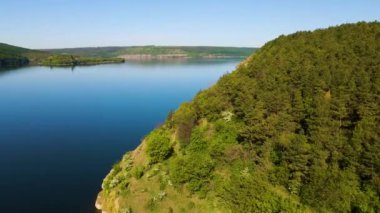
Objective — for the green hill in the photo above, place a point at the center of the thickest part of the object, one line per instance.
(156, 51)
(18, 56)
(11, 56)
(294, 129)
(6, 48)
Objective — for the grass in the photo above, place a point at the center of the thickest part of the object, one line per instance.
(151, 190)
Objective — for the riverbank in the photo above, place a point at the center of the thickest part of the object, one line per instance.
(148, 57)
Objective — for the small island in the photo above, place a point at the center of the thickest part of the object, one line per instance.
(71, 60)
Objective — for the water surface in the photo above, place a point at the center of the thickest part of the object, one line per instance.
(61, 129)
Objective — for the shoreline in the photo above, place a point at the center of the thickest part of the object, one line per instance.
(164, 57)
(130, 58)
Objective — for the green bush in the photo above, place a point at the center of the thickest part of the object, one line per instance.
(151, 204)
(138, 172)
(252, 194)
(198, 142)
(184, 119)
(159, 147)
(195, 170)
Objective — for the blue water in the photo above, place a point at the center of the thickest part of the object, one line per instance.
(61, 129)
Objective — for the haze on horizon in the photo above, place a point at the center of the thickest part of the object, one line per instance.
(43, 24)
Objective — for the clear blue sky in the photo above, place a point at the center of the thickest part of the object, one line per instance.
(79, 23)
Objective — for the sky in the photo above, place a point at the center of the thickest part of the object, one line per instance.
(43, 24)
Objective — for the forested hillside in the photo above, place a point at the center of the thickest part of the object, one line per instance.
(295, 128)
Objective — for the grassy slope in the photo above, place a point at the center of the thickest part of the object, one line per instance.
(157, 50)
(293, 129)
(144, 192)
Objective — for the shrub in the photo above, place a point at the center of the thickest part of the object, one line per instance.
(184, 119)
(159, 147)
(195, 170)
(252, 194)
(138, 172)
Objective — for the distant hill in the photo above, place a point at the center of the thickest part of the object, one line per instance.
(17, 56)
(157, 52)
(10, 49)
(295, 128)
(11, 56)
